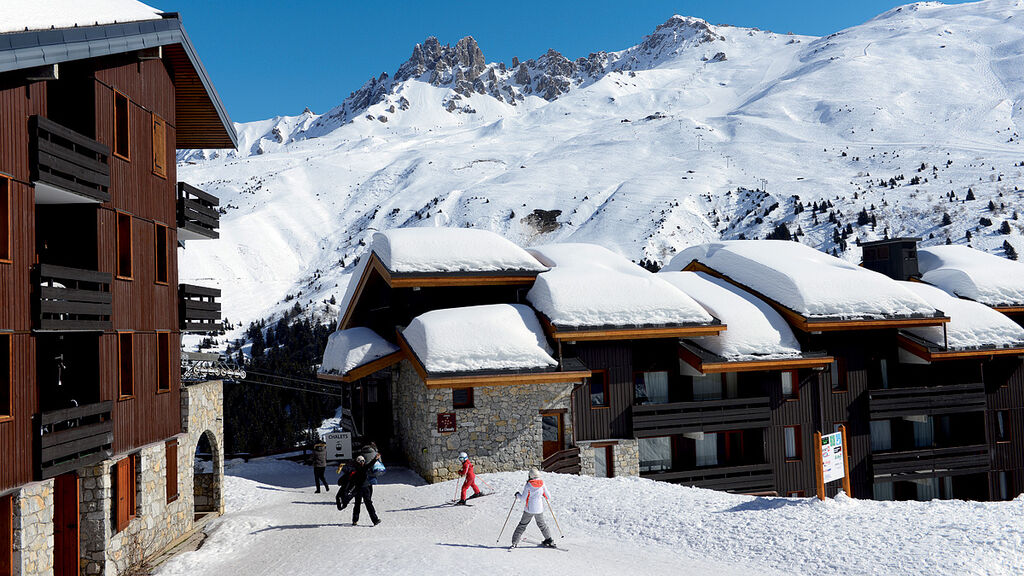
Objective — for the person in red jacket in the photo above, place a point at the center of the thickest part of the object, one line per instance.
(467, 471)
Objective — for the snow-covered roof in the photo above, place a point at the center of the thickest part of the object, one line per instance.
(973, 274)
(807, 281)
(591, 286)
(440, 250)
(349, 349)
(22, 15)
(494, 337)
(756, 331)
(971, 325)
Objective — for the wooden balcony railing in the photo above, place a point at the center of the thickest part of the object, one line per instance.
(71, 438)
(744, 479)
(926, 400)
(197, 213)
(651, 420)
(930, 462)
(563, 462)
(198, 309)
(64, 159)
(72, 300)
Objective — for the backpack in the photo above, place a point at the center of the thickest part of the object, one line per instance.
(377, 471)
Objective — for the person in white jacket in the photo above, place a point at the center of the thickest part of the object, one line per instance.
(534, 494)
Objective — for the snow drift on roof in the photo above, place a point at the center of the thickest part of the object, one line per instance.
(349, 349)
(430, 250)
(479, 338)
(592, 286)
(971, 325)
(755, 330)
(19, 15)
(973, 274)
(805, 280)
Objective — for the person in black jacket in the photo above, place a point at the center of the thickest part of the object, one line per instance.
(362, 481)
(346, 487)
(320, 466)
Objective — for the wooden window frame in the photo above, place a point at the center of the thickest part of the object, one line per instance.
(7, 534)
(842, 383)
(128, 128)
(796, 494)
(125, 492)
(159, 146)
(166, 268)
(797, 443)
(607, 404)
(163, 372)
(120, 366)
(795, 375)
(131, 247)
(469, 403)
(6, 220)
(171, 470)
(1008, 437)
(8, 378)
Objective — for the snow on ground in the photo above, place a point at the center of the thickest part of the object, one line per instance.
(275, 525)
(590, 285)
(474, 338)
(349, 349)
(450, 250)
(971, 325)
(973, 274)
(19, 15)
(806, 280)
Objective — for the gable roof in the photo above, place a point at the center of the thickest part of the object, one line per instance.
(202, 120)
(356, 352)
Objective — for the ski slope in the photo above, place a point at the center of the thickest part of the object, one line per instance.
(698, 133)
(275, 525)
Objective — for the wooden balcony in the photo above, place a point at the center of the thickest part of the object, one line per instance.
(926, 400)
(198, 309)
(73, 438)
(742, 479)
(72, 300)
(563, 462)
(198, 217)
(67, 167)
(930, 462)
(650, 420)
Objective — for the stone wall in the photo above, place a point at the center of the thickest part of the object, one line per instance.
(501, 432)
(33, 529)
(625, 453)
(202, 412)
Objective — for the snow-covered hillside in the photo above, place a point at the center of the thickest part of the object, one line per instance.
(699, 132)
(276, 525)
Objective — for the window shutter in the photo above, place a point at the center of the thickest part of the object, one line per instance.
(159, 146)
(172, 471)
(121, 493)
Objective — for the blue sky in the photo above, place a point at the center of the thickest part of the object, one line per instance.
(273, 57)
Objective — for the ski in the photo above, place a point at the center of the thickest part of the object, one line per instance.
(539, 545)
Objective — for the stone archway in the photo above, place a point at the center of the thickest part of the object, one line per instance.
(207, 466)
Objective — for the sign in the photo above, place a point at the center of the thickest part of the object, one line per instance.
(446, 422)
(339, 445)
(832, 457)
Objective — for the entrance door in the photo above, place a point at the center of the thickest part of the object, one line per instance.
(553, 431)
(65, 526)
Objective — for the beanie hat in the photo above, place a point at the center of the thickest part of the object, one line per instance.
(534, 473)
(463, 456)
(360, 460)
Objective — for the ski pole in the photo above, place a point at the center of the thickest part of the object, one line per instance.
(552, 510)
(489, 487)
(457, 482)
(506, 521)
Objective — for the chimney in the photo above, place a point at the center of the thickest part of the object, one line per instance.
(895, 257)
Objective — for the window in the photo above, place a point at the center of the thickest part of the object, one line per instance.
(5, 219)
(7, 534)
(6, 377)
(598, 389)
(655, 454)
(881, 435)
(124, 494)
(838, 375)
(707, 387)
(604, 461)
(794, 448)
(462, 398)
(162, 254)
(163, 362)
(124, 246)
(650, 387)
(122, 130)
(1006, 491)
(790, 385)
(159, 146)
(795, 494)
(125, 364)
(1003, 426)
(706, 449)
(172, 470)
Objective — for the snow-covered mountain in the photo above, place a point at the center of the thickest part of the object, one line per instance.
(697, 133)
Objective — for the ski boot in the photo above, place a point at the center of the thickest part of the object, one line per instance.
(548, 543)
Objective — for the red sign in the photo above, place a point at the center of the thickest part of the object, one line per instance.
(446, 422)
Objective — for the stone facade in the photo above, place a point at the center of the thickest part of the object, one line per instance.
(625, 453)
(501, 432)
(33, 529)
(202, 412)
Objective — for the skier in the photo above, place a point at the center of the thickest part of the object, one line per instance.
(320, 466)
(346, 472)
(467, 471)
(534, 494)
(365, 477)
